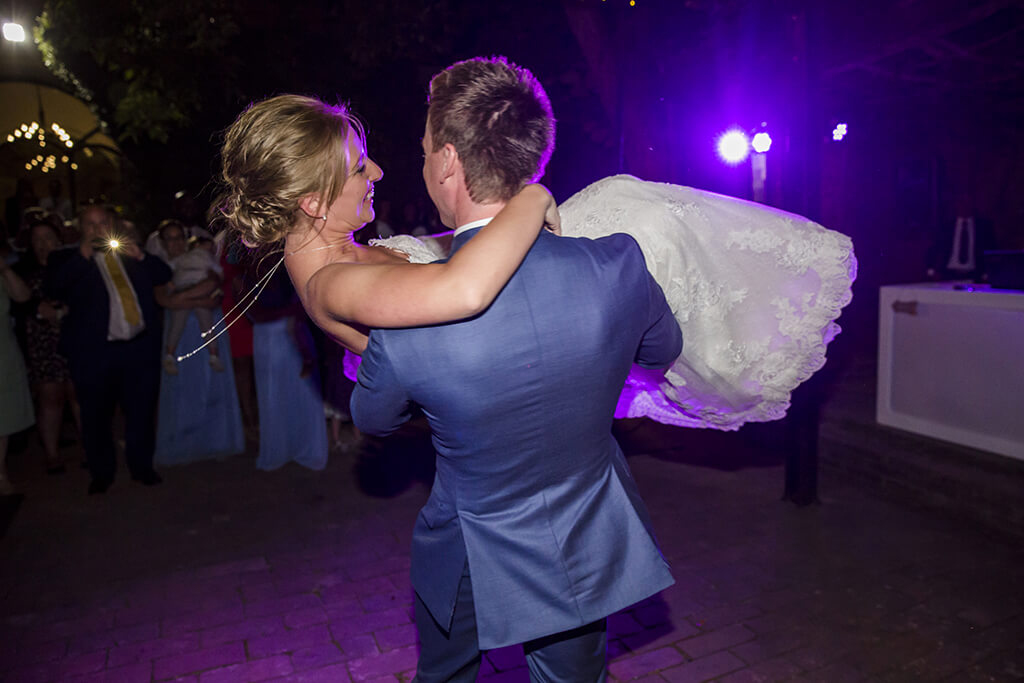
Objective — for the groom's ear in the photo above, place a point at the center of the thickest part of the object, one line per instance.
(310, 205)
(449, 161)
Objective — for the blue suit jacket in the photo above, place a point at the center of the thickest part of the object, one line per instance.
(531, 487)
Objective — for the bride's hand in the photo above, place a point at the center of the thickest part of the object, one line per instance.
(552, 220)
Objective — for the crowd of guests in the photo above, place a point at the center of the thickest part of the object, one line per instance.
(417, 218)
(98, 319)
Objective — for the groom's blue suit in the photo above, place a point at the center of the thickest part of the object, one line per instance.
(531, 488)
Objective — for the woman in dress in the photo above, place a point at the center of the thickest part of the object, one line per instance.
(290, 403)
(47, 369)
(756, 290)
(296, 171)
(15, 399)
(198, 415)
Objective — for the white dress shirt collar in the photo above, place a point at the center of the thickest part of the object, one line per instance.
(469, 226)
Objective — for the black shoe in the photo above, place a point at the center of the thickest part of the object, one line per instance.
(97, 486)
(150, 478)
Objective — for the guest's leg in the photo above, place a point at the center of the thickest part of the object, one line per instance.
(48, 418)
(139, 390)
(97, 393)
(454, 655)
(6, 488)
(205, 318)
(76, 410)
(179, 317)
(246, 389)
(578, 655)
(76, 415)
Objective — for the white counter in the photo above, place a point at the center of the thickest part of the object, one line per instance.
(951, 364)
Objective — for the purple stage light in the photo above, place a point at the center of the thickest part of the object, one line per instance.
(762, 142)
(839, 132)
(733, 146)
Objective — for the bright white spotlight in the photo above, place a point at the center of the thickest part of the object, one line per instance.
(839, 132)
(762, 142)
(733, 146)
(14, 32)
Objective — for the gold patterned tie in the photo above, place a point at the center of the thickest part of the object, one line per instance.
(124, 290)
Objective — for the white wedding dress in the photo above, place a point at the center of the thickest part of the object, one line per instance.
(756, 292)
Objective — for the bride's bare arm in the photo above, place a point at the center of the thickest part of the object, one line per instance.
(351, 338)
(404, 295)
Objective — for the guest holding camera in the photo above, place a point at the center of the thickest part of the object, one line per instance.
(112, 338)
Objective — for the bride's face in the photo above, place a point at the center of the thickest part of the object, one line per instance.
(353, 208)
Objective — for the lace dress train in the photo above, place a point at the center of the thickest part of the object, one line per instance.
(756, 292)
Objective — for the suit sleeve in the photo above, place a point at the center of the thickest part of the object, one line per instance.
(379, 404)
(663, 340)
(65, 268)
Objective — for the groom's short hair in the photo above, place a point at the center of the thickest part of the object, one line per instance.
(498, 117)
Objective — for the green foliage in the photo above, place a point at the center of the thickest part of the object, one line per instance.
(141, 63)
(168, 76)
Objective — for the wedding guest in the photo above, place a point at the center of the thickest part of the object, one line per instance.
(381, 225)
(337, 392)
(288, 393)
(198, 415)
(412, 220)
(232, 255)
(111, 338)
(56, 202)
(192, 260)
(23, 199)
(15, 400)
(40, 319)
(7, 252)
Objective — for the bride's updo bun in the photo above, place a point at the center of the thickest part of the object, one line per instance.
(277, 152)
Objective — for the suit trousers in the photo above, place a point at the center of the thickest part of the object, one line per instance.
(125, 373)
(576, 656)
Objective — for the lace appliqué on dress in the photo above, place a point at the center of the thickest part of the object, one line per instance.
(756, 292)
(416, 250)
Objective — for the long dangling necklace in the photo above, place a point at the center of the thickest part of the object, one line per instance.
(258, 289)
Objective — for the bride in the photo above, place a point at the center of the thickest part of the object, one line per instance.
(755, 290)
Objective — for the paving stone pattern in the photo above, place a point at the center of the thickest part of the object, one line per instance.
(225, 574)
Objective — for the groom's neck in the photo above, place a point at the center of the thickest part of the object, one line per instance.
(469, 211)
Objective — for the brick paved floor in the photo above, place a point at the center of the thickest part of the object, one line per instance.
(225, 574)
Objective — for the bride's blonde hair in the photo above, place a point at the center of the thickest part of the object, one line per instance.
(277, 152)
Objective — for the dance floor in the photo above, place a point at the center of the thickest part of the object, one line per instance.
(225, 573)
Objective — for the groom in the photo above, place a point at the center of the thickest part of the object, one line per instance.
(534, 531)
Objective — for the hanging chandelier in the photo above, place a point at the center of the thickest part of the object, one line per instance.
(54, 149)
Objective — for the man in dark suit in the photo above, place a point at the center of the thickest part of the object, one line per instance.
(112, 339)
(534, 530)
